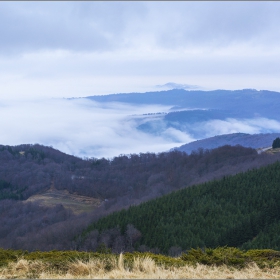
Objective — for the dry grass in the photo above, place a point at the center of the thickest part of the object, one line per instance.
(77, 203)
(140, 268)
(273, 151)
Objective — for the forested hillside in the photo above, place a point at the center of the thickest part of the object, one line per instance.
(231, 211)
(29, 169)
(26, 170)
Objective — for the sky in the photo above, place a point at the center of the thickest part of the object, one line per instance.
(76, 48)
(61, 49)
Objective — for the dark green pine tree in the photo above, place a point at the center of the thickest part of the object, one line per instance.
(276, 143)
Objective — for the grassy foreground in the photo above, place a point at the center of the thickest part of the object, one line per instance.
(225, 263)
(142, 268)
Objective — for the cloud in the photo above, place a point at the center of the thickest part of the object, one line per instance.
(66, 74)
(89, 129)
(81, 127)
(176, 135)
(251, 126)
(75, 49)
(177, 86)
(102, 26)
(82, 48)
(74, 26)
(215, 24)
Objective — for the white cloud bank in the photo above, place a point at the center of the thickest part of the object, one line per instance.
(251, 126)
(82, 127)
(89, 129)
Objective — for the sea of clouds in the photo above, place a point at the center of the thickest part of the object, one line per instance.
(81, 127)
(86, 128)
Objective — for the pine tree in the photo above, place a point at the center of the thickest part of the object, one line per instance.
(276, 143)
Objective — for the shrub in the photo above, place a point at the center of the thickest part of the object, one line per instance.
(230, 256)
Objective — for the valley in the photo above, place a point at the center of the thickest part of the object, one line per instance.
(46, 195)
(139, 139)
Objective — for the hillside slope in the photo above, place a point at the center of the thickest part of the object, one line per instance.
(42, 189)
(231, 211)
(246, 140)
(28, 170)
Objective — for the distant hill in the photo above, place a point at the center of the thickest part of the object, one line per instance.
(242, 103)
(246, 140)
(191, 111)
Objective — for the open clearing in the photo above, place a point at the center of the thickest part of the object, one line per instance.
(273, 151)
(77, 203)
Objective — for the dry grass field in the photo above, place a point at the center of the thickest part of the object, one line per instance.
(75, 202)
(144, 268)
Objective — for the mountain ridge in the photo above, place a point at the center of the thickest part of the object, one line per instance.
(222, 99)
(256, 141)
(193, 112)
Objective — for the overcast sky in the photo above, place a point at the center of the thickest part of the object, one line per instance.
(66, 49)
(54, 50)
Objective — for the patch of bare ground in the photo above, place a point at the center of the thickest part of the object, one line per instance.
(77, 203)
(144, 268)
(273, 151)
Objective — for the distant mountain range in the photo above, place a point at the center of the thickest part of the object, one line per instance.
(245, 100)
(191, 111)
(246, 103)
(246, 140)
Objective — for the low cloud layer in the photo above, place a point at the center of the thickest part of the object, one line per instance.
(251, 126)
(82, 127)
(89, 129)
